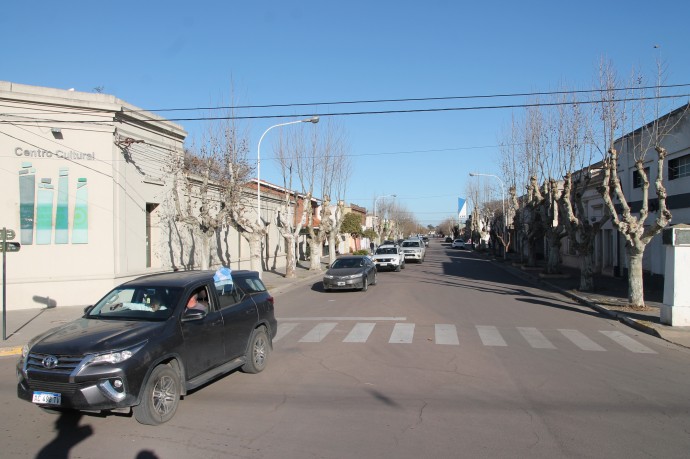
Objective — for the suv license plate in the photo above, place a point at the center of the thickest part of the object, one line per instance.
(46, 398)
(340, 284)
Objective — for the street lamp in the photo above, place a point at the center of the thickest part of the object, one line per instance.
(313, 119)
(503, 203)
(380, 197)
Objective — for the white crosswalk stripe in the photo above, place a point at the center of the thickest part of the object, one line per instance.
(402, 333)
(580, 340)
(284, 329)
(628, 343)
(490, 335)
(447, 334)
(360, 333)
(535, 338)
(318, 333)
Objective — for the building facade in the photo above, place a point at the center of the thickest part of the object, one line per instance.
(86, 190)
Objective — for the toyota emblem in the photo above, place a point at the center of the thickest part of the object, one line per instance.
(50, 362)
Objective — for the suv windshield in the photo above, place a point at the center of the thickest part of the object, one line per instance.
(410, 244)
(386, 251)
(139, 303)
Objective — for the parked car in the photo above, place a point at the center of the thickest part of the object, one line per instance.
(414, 249)
(458, 244)
(390, 257)
(426, 240)
(449, 239)
(350, 272)
(143, 345)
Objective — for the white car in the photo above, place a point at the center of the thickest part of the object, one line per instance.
(389, 256)
(414, 249)
(458, 244)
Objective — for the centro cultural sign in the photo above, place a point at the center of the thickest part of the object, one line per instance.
(74, 155)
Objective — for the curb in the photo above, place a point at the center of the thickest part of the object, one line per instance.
(10, 351)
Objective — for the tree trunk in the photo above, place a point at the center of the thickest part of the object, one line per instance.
(587, 270)
(635, 278)
(290, 257)
(316, 251)
(531, 252)
(254, 241)
(553, 264)
(332, 241)
(205, 250)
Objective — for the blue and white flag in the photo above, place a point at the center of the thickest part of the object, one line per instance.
(223, 277)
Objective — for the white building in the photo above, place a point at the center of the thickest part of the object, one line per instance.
(85, 186)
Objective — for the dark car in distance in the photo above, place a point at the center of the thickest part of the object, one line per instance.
(148, 342)
(350, 272)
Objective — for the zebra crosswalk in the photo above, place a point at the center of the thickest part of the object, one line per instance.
(448, 335)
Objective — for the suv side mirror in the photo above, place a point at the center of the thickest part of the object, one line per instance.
(193, 314)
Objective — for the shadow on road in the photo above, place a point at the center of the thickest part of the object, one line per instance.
(69, 434)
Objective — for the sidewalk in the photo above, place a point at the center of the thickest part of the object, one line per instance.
(22, 325)
(610, 298)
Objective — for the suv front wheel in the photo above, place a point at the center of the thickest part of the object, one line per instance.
(160, 397)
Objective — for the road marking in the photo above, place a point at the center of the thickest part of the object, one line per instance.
(447, 334)
(535, 338)
(402, 333)
(490, 335)
(580, 340)
(284, 329)
(318, 333)
(356, 319)
(628, 343)
(360, 333)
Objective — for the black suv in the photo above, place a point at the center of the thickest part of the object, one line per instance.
(150, 341)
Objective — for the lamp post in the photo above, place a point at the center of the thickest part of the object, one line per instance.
(313, 119)
(380, 197)
(503, 203)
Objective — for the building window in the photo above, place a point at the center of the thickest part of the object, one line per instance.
(679, 167)
(637, 179)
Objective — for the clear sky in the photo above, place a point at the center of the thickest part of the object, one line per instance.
(184, 54)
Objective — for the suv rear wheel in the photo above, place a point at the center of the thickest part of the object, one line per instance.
(160, 397)
(257, 353)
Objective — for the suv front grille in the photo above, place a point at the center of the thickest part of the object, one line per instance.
(51, 386)
(65, 363)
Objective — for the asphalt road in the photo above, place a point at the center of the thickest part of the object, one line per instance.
(449, 358)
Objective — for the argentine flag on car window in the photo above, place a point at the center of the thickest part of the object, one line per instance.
(223, 277)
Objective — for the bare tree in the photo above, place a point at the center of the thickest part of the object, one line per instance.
(290, 154)
(617, 116)
(209, 184)
(338, 146)
(326, 171)
(533, 153)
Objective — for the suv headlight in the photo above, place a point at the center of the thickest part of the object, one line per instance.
(115, 356)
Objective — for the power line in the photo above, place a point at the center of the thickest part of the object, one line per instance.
(381, 112)
(381, 101)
